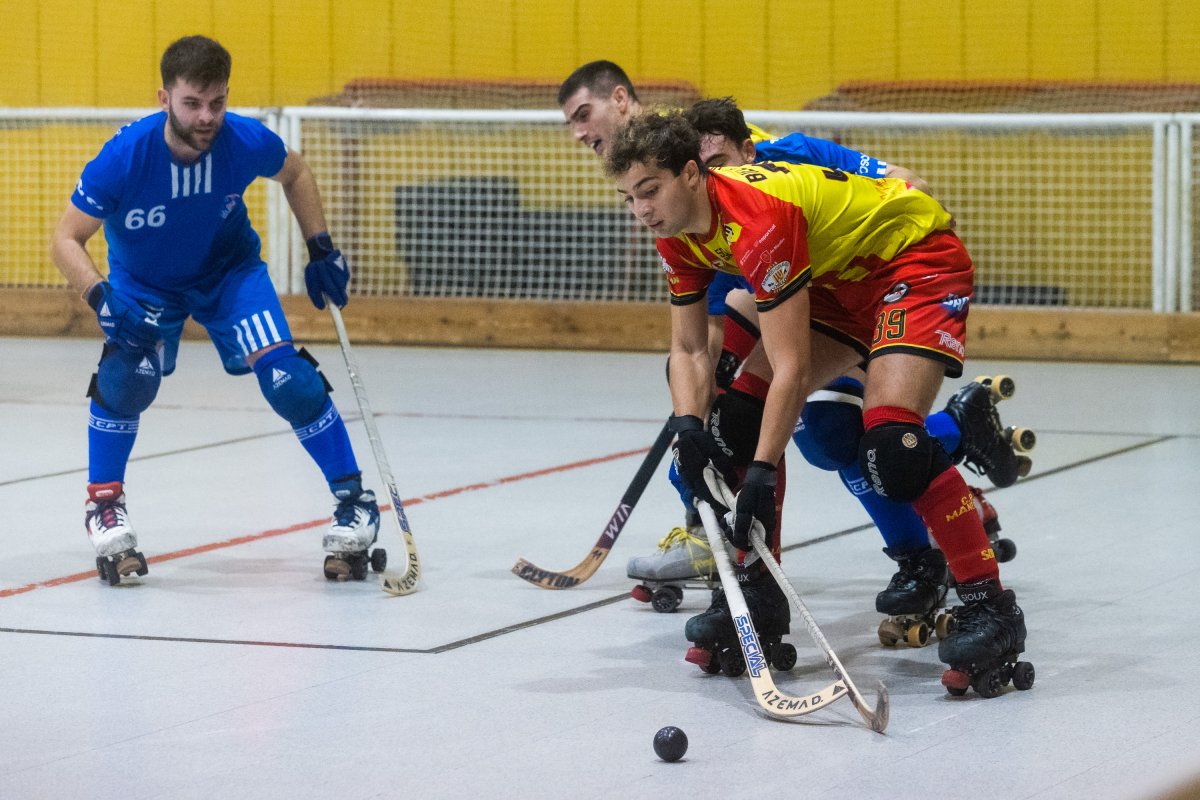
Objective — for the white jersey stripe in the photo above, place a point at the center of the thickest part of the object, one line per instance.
(275, 337)
(187, 181)
(262, 334)
(174, 181)
(196, 182)
(241, 340)
(251, 345)
(208, 174)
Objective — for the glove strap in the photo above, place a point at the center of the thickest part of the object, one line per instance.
(94, 295)
(319, 246)
(761, 472)
(687, 422)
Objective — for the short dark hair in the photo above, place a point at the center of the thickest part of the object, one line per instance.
(719, 116)
(600, 77)
(196, 59)
(664, 138)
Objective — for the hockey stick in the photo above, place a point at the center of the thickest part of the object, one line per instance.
(587, 568)
(770, 699)
(392, 582)
(877, 720)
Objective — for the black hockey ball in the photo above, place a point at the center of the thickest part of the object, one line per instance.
(670, 743)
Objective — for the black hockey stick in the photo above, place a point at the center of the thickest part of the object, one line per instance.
(587, 568)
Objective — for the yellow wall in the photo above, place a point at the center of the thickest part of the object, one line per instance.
(768, 53)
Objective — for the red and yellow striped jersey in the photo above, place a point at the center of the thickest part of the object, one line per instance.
(784, 225)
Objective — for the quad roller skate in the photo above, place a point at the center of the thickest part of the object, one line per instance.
(915, 599)
(987, 447)
(715, 642)
(107, 523)
(355, 528)
(985, 640)
(683, 561)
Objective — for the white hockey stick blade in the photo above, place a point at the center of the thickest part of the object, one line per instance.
(876, 719)
(769, 698)
(394, 583)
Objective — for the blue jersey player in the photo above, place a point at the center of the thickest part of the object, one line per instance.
(169, 191)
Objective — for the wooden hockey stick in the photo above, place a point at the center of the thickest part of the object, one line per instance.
(587, 568)
(769, 698)
(396, 583)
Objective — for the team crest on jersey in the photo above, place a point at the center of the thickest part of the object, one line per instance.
(897, 293)
(955, 306)
(231, 202)
(731, 231)
(776, 276)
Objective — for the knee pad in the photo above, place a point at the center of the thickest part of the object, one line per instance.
(831, 426)
(900, 459)
(126, 381)
(734, 422)
(292, 384)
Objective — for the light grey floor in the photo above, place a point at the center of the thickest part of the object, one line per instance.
(235, 670)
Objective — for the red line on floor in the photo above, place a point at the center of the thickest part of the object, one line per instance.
(303, 526)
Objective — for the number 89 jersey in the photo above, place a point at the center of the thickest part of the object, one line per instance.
(784, 225)
(171, 225)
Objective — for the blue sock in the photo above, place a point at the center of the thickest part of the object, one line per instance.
(110, 441)
(326, 440)
(941, 426)
(902, 528)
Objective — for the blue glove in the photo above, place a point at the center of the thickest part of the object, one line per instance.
(327, 272)
(755, 502)
(695, 449)
(128, 323)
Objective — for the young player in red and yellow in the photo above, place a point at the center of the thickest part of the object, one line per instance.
(844, 269)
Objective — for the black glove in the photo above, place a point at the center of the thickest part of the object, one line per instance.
(755, 502)
(124, 321)
(327, 272)
(695, 449)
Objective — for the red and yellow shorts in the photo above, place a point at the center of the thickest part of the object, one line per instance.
(916, 303)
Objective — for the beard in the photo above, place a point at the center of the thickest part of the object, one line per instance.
(188, 135)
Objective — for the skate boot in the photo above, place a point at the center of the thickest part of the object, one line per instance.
(985, 639)
(354, 529)
(684, 560)
(715, 640)
(1005, 549)
(107, 525)
(988, 448)
(915, 600)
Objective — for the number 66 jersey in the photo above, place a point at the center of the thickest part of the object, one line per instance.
(173, 226)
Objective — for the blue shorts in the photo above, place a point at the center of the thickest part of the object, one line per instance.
(239, 309)
(723, 283)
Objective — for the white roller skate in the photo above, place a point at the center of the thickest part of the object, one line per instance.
(107, 523)
(354, 529)
(684, 560)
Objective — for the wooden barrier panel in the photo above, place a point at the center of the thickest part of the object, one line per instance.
(994, 332)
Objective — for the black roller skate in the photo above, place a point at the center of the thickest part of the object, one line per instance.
(107, 524)
(985, 639)
(915, 600)
(355, 528)
(715, 641)
(987, 447)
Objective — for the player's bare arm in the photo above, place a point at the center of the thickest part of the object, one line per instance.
(303, 196)
(691, 366)
(786, 338)
(68, 249)
(913, 179)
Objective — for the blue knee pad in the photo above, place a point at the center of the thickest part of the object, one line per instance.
(292, 385)
(126, 381)
(831, 425)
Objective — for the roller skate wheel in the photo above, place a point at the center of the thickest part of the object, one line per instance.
(1023, 675)
(945, 621)
(1023, 439)
(783, 656)
(379, 559)
(335, 568)
(1006, 550)
(108, 571)
(1001, 386)
(666, 599)
(641, 593)
(956, 682)
(358, 567)
(142, 568)
(1024, 466)
(889, 633)
(732, 663)
(917, 635)
(988, 683)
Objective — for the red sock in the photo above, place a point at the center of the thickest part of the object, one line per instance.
(751, 384)
(741, 335)
(948, 508)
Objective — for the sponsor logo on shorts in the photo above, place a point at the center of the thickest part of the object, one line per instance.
(776, 275)
(897, 293)
(950, 343)
(956, 306)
